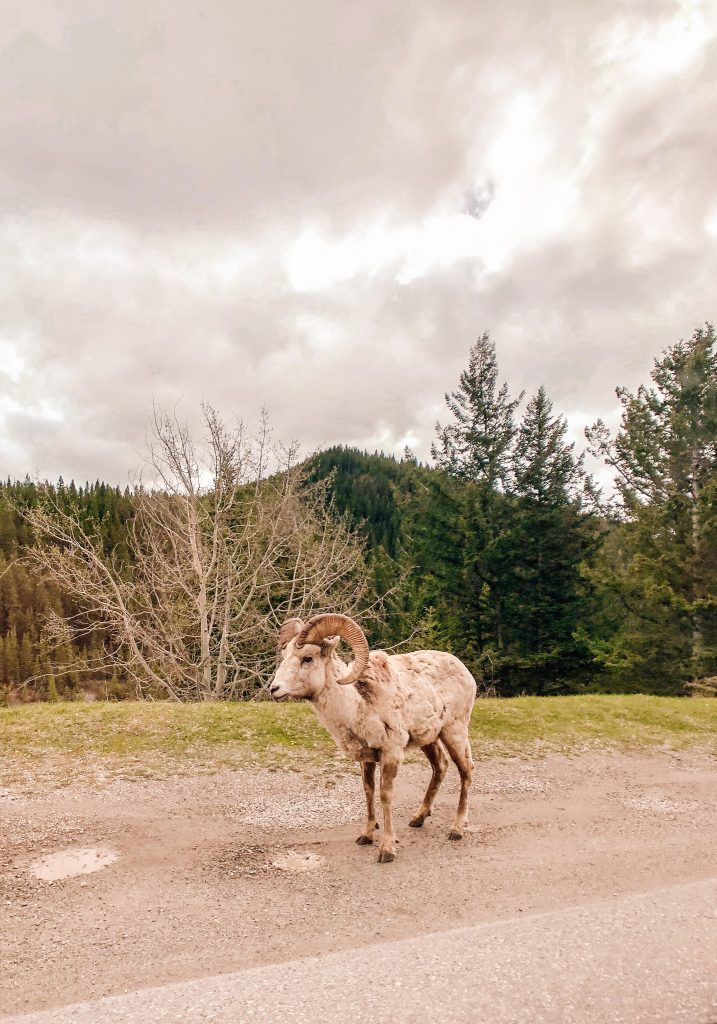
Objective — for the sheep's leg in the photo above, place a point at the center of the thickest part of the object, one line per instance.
(457, 745)
(368, 770)
(389, 770)
(439, 763)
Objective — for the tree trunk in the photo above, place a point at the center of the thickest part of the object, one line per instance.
(202, 601)
(698, 644)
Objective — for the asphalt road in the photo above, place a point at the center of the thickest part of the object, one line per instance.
(650, 957)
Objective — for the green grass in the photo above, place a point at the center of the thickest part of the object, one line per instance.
(567, 724)
(51, 744)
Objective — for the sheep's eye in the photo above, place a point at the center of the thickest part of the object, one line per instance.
(307, 659)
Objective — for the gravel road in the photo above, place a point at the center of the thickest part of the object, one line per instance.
(217, 874)
(647, 959)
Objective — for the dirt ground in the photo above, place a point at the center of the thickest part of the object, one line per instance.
(208, 874)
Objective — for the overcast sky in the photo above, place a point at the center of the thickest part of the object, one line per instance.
(317, 205)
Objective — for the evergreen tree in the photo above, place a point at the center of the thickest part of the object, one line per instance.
(477, 445)
(664, 570)
(435, 543)
(431, 632)
(11, 659)
(26, 597)
(477, 448)
(545, 470)
(551, 537)
(52, 693)
(26, 659)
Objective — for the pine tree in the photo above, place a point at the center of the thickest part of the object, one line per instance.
(52, 693)
(545, 470)
(550, 539)
(665, 569)
(476, 448)
(12, 665)
(431, 632)
(477, 445)
(435, 544)
(26, 659)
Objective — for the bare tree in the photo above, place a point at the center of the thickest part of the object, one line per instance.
(228, 538)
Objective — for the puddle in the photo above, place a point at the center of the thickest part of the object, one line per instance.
(296, 860)
(68, 863)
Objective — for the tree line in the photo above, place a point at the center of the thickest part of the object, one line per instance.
(509, 555)
(182, 598)
(30, 600)
(502, 550)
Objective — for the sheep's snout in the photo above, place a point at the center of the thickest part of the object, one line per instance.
(278, 690)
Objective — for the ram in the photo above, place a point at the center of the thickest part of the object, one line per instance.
(381, 706)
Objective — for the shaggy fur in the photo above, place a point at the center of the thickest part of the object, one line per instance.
(402, 700)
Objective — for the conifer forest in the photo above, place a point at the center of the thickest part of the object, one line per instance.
(502, 549)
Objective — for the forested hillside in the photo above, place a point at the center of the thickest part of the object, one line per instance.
(500, 551)
(489, 551)
(27, 598)
(506, 555)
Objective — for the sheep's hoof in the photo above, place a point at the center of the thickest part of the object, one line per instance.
(365, 841)
(385, 857)
(417, 822)
(455, 835)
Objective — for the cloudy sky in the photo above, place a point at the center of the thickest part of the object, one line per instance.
(317, 205)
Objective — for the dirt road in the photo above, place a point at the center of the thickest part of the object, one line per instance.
(648, 958)
(212, 874)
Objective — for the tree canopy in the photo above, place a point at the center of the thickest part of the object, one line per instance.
(500, 551)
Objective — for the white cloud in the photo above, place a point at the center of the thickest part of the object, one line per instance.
(315, 263)
(663, 48)
(271, 210)
(12, 363)
(711, 222)
(535, 199)
(77, 249)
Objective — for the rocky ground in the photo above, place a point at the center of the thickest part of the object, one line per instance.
(213, 873)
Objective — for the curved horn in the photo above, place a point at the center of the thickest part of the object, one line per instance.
(289, 630)
(321, 626)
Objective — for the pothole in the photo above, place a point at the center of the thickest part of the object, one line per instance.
(257, 860)
(69, 863)
(297, 860)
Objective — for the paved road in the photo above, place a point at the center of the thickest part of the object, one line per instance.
(643, 958)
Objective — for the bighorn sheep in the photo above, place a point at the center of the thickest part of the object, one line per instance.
(396, 701)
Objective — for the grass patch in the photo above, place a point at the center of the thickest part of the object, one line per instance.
(51, 744)
(566, 724)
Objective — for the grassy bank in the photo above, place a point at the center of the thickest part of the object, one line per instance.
(58, 743)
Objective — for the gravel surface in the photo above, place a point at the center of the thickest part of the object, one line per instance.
(219, 873)
(648, 959)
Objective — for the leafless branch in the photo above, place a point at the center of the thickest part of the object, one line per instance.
(228, 538)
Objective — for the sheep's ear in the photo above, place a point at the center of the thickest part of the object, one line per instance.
(329, 645)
